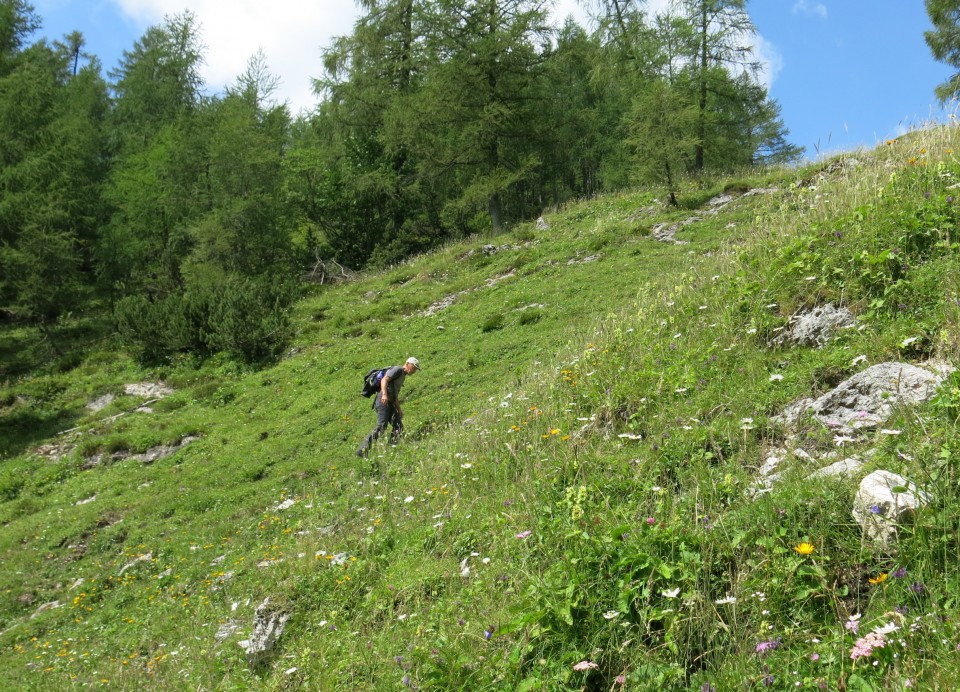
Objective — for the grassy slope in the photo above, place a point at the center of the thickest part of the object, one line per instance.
(515, 425)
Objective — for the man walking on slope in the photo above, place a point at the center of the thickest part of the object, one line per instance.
(387, 404)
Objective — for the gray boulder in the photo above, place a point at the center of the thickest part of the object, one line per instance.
(815, 327)
(268, 625)
(869, 397)
(884, 501)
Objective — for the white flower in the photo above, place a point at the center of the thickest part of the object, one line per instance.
(630, 436)
(466, 466)
(840, 440)
(886, 431)
(776, 377)
(610, 614)
(728, 600)
(673, 593)
(408, 499)
(909, 340)
(859, 359)
(886, 629)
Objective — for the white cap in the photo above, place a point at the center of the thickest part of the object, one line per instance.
(414, 362)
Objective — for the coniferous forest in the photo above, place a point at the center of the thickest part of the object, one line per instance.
(190, 220)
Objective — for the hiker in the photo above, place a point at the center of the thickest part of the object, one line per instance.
(387, 404)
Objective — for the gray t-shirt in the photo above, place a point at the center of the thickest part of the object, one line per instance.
(397, 375)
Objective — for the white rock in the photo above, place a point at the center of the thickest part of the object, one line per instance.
(884, 501)
(844, 468)
(268, 625)
(867, 399)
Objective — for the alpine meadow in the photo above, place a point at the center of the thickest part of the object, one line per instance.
(688, 411)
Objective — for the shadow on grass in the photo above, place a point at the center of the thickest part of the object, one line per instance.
(24, 427)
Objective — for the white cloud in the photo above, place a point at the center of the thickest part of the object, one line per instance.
(770, 59)
(291, 34)
(817, 9)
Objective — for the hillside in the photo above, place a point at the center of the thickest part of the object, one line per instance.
(584, 498)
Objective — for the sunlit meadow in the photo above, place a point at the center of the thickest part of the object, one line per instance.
(571, 507)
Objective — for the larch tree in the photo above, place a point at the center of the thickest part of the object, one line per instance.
(944, 42)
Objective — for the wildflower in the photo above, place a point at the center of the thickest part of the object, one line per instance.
(673, 593)
(858, 360)
(621, 679)
(879, 579)
(488, 633)
(776, 377)
(585, 665)
(804, 548)
(853, 623)
(886, 629)
(767, 646)
(814, 657)
(899, 573)
(651, 521)
(917, 587)
(864, 646)
(727, 600)
(523, 534)
(610, 615)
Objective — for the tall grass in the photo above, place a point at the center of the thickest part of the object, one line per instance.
(570, 508)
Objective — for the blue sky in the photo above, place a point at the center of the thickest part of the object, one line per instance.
(847, 73)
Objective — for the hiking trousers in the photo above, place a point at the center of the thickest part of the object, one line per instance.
(387, 414)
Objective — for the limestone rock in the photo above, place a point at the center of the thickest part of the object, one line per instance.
(268, 625)
(868, 398)
(845, 468)
(815, 327)
(884, 501)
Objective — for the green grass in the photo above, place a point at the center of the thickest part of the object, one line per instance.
(573, 484)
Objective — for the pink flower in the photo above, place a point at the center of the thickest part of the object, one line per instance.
(524, 534)
(864, 646)
(585, 665)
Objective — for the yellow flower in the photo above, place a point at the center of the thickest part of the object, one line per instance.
(804, 548)
(879, 579)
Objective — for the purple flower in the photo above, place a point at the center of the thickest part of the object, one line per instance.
(875, 509)
(899, 573)
(917, 587)
(488, 633)
(764, 647)
(768, 681)
(585, 665)
(814, 657)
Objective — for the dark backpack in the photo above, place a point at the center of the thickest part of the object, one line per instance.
(371, 381)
